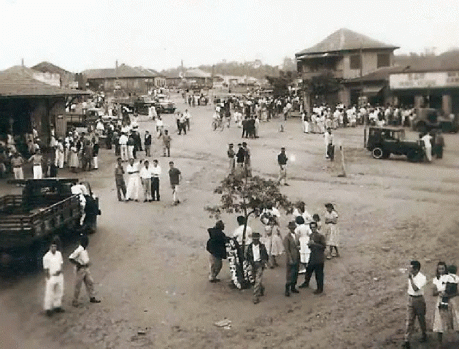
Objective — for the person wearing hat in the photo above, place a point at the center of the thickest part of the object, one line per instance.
(331, 230)
(231, 157)
(282, 161)
(216, 246)
(317, 245)
(54, 289)
(292, 251)
(257, 256)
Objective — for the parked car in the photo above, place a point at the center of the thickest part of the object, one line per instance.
(428, 119)
(164, 105)
(384, 141)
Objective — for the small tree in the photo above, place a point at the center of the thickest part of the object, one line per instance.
(247, 196)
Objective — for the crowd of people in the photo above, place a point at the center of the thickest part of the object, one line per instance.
(304, 244)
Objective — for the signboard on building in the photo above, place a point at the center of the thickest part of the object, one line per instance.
(424, 80)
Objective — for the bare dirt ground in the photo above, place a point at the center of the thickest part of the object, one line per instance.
(151, 266)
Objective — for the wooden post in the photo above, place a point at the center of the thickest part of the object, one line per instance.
(343, 166)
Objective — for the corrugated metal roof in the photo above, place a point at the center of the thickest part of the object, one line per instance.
(345, 40)
(18, 81)
(124, 71)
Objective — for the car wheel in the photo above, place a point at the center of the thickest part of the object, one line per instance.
(386, 155)
(413, 156)
(377, 153)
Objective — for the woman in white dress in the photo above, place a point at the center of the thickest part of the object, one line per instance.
(331, 230)
(303, 232)
(272, 240)
(445, 288)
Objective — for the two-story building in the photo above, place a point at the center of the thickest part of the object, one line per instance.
(346, 56)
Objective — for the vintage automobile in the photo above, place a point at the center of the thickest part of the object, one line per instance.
(384, 141)
(164, 105)
(428, 119)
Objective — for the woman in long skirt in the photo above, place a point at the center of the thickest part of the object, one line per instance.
(445, 314)
(331, 230)
(273, 241)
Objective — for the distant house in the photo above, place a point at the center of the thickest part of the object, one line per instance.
(123, 77)
(66, 78)
(26, 103)
(191, 78)
(346, 55)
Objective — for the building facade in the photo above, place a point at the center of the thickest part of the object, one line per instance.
(344, 55)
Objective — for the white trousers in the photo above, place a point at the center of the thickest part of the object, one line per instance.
(175, 189)
(37, 172)
(124, 153)
(60, 160)
(18, 173)
(305, 127)
(130, 151)
(428, 153)
(133, 187)
(54, 290)
(95, 162)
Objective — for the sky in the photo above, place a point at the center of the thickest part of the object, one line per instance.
(79, 35)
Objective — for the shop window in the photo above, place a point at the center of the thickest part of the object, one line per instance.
(383, 60)
(355, 61)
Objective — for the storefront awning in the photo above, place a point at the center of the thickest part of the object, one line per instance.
(372, 90)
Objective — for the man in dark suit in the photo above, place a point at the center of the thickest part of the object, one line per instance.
(257, 256)
(147, 143)
(317, 246)
(217, 249)
(292, 251)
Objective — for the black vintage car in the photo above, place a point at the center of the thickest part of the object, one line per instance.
(384, 141)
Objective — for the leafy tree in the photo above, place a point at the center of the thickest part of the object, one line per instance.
(323, 85)
(247, 196)
(281, 83)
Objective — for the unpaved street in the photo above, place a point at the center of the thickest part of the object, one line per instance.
(150, 263)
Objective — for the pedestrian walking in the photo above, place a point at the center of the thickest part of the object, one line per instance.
(439, 144)
(147, 143)
(329, 145)
(216, 246)
(95, 154)
(119, 180)
(305, 122)
(174, 176)
(166, 143)
(316, 262)
(134, 184)
(292, 251)
(282, 161)
(331, 230)
(416, 303)
(257, 257)
(54, 289)
(123, 141)
(232, 158)
(16, 163)
(427, 142)
(155, 174)
(80, 258)
(145, 177)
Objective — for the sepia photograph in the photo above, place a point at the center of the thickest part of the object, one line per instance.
(238, 174)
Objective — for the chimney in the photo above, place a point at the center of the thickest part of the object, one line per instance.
(116, 69)
(22, 61)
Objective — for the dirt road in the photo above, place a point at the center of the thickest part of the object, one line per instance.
(151, 266)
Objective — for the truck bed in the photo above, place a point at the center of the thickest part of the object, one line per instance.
(21, 223)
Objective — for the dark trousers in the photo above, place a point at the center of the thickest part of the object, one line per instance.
(155, 188)
(121, 189)
(318, 270)
(292, 274)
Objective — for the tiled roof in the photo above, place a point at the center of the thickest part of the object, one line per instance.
(197, 73)
(46, 67)
(345, 40)
(18, 81)
(124, 71)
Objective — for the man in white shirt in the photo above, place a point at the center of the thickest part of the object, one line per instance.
(155, 174)
(240, 230)
(80, 258)
(187, 117)
(54, 290)
(329, 146)
(123, 146)
(145, 177)
(416, 303)
(426, 139)
(133, 186)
